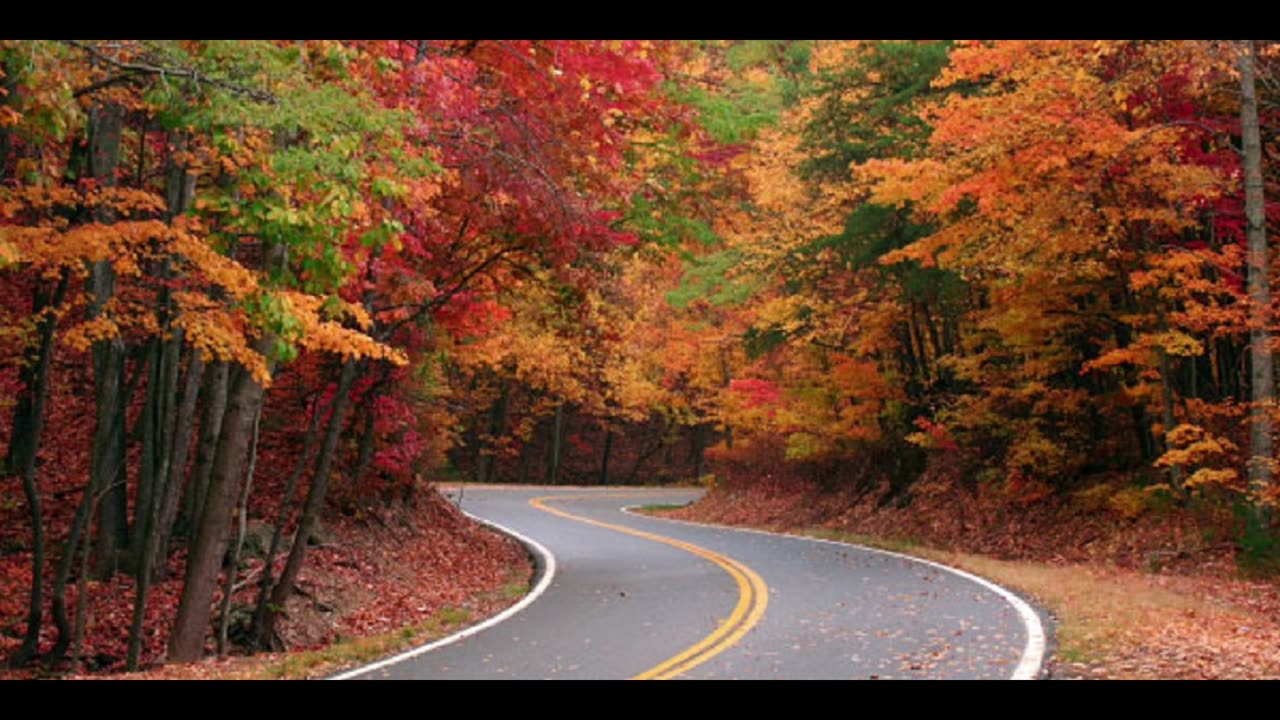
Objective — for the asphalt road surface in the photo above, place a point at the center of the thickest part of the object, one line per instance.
(629, 596)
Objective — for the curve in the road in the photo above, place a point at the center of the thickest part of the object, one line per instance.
(1032, 659)
(749, 609)
(753, 595)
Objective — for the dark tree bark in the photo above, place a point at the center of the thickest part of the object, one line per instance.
(107, 470)
(557, 432)
(155, 489)
(23, 445)
(315, 497)
(1261, 363)
(604, 461)
(365, 454)
(1166, 398)
(229, 584)
(183, 431)
(487, 461)
(9, 83)
(146, 512)
(214, 393)
(208, 547)
(277, 534)
(699, 445)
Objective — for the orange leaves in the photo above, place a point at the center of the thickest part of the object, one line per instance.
(218, 333)
(1118, 357)
(932, 435)
(1192, 445)
(9, 117)
(1038, 149)
(314, 332)
(228, 274)
(86, 333)
(8, 254)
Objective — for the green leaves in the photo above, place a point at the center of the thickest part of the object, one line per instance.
(710, 278)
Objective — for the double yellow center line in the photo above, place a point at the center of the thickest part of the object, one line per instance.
(753, 595)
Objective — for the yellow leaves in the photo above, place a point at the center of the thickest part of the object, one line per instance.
(1226, 477)
(82, 336)
(781, 313)
(315, 333)
(1176, 343)
(928, 183)
(1131, 502)
(1192, 445)
(217, 268)
(218, 333)
(9, 117)
(8, 254)
(357, 313)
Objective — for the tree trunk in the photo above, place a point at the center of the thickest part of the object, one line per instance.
(156, 451)
(108, 457)
(208, 547)
(157, 491)
(932, 329)
(917, 337)
(699, 443)
(1262, 379)
(229, 585)
(557, 427)
(1166, 397)
(365, 454)
(315, 497)
(604, 461)
(82, 602)
(497, 427)
(9, 97)
(277, 534)
(214, 391)
(181, 451)
(23, 446)
(522, 466)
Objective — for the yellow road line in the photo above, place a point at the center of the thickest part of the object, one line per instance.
(753, 595)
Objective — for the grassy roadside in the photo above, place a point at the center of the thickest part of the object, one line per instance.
(344, 654)
(352, 652)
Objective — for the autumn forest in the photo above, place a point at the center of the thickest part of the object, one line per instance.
(1013, 292)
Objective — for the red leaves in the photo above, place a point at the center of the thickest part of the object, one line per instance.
(937, 434)
(756, 392)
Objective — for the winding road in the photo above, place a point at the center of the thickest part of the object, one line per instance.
(622, 595)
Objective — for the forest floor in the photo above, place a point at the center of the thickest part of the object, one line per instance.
(1158, 598)
(383, 580)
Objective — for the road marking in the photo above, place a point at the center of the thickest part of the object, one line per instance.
(1032, 660)
(548, 572)
(753, 595)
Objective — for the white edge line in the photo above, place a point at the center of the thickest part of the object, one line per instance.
(1032, 660)
(548, 573)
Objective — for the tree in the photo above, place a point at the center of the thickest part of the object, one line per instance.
(1262, 373)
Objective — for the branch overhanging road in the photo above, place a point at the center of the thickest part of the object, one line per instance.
(630, 596)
